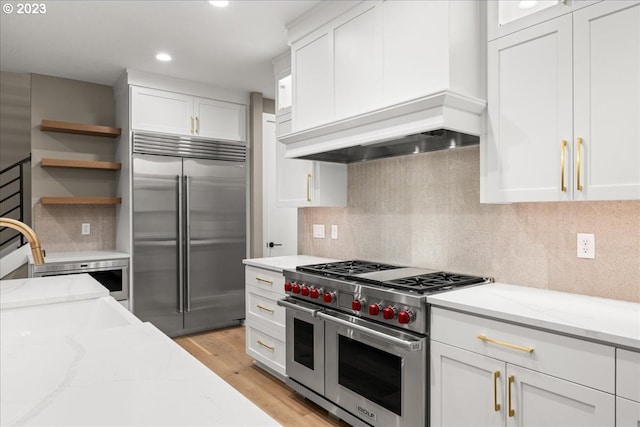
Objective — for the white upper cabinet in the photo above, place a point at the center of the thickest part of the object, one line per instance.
(161, 111)
(372, 55)
(220, 120)
(305, 183)
(508, 16)
(169, 112)
(563, 108)
(606, 51)
(530, 114)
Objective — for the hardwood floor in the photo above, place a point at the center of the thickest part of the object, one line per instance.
(223, 351)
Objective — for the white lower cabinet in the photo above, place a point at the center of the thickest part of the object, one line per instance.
(490, 373)
(627, 413)
(265, 320)
(627, 388)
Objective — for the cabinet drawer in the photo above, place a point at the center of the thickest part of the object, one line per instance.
(265, 279)
(573, 359)
(262, 308)
(266, 348)
(628, 374)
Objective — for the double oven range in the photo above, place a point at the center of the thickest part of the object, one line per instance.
(357, 338)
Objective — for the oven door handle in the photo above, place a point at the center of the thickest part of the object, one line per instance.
(404, 344)
(287, 304)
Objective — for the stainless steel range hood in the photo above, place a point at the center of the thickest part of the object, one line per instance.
(436, 122)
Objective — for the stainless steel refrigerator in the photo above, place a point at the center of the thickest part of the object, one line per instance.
(189, 232)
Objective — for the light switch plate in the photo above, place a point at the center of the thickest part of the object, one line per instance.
(86, 229)
(334, 231)
(318, 231)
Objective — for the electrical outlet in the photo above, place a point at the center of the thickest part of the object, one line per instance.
(318, 231)
(334, 231)
(586, 245)
(86, 229)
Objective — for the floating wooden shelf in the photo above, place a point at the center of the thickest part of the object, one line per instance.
(79, 128)
(82, 164)
(80, 200)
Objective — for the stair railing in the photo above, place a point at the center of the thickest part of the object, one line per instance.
(12, 203)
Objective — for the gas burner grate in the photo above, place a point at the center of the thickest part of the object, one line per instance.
(434, 282)
(345, 269)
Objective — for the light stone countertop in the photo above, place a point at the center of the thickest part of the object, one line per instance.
(52, 257)
(281, 263)
(91, 362)
(600, 319)
(48, 290)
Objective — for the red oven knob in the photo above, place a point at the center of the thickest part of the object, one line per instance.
(406, 316)
(295, 288)
(374, 309)
(304, 291)
(314, 293)
(356, 305)
(287, 286)
(389, 313)
(329, 297)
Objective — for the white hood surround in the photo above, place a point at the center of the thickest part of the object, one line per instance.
(375, 79)
(385, 127)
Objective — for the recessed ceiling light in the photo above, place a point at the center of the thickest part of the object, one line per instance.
(222, 3)
(527, 4)
(165, 57)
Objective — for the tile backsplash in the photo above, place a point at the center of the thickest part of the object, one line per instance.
(59, 227)
(424, 210)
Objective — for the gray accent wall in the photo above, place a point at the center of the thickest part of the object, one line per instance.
(59, 226)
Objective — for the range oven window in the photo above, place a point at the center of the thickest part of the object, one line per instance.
(372, 373)
(303, 343)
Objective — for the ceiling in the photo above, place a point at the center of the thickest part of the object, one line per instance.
(95, 41)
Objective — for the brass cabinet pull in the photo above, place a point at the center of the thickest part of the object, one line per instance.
(512, 411)
(496, 405)
(505, 344)
(308, 187)
(197, 125)
(563, 186)
(266, 345)
(579, 186)
(262, 307)
(268, 282)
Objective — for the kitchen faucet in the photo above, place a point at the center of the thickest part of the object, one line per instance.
(34, 242)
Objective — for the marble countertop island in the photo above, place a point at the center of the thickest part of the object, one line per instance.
(84, 360)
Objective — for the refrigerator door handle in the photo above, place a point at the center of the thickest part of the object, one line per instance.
(187, 244)
(180, 246)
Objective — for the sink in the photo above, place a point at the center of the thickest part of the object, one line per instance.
(64, 318)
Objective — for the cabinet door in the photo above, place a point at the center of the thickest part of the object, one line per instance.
(303, 183)
(312, 70)
(293, 180)
(161, 111)
(607, 101)
(465, 389)
(220, 120)
(508, 16)
(357, 61)
(541, 400)
(627, 413)
(529, 115)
